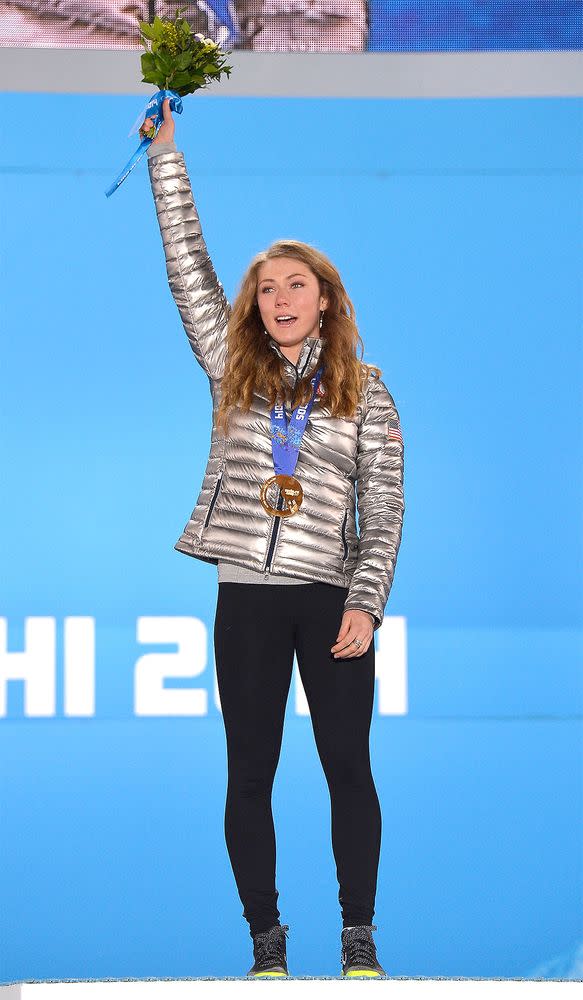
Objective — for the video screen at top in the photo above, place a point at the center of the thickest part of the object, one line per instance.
(304, 25)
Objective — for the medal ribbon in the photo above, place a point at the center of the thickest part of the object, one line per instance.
(287, 438)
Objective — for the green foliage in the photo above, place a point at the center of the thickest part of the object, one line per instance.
(178, 59)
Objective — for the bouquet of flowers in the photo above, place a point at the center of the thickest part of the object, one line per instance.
(178, 63)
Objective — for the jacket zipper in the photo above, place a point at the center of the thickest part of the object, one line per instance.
(307, 361)
(214, 500)
(274, 533)
(344, 533)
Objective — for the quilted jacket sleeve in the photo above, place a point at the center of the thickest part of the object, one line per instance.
(380, 498)
(197, 291)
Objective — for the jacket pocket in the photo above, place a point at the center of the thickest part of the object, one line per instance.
(213, 499)
(344, 539)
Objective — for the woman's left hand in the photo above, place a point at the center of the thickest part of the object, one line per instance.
(166, 131)
(355, 625)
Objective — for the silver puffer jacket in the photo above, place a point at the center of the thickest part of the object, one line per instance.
(320, 542)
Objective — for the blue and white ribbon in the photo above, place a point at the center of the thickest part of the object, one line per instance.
(287, 438)
(153, 109)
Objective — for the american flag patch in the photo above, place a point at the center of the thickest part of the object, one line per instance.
(395, 431)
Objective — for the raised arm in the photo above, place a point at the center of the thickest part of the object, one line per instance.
(197, 291)
(381, 504)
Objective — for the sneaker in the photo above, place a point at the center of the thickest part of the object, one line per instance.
(359, 957)
(269, 952)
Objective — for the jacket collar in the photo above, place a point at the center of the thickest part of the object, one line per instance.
(308, 360)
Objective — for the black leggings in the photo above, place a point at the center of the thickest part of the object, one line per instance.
(257, 628)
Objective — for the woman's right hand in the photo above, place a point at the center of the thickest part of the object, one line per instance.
(166, 131)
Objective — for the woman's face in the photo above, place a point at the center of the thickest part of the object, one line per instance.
(288, 287)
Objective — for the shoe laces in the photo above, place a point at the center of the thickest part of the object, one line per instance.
(358, 945)
(269, 946)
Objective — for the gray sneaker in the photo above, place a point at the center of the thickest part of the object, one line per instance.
(269, 952)
(359, 957)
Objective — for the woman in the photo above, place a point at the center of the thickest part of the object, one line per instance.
(292, 401)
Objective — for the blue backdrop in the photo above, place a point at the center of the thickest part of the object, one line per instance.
(456, 225)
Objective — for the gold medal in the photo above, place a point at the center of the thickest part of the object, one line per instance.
(291, 490)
